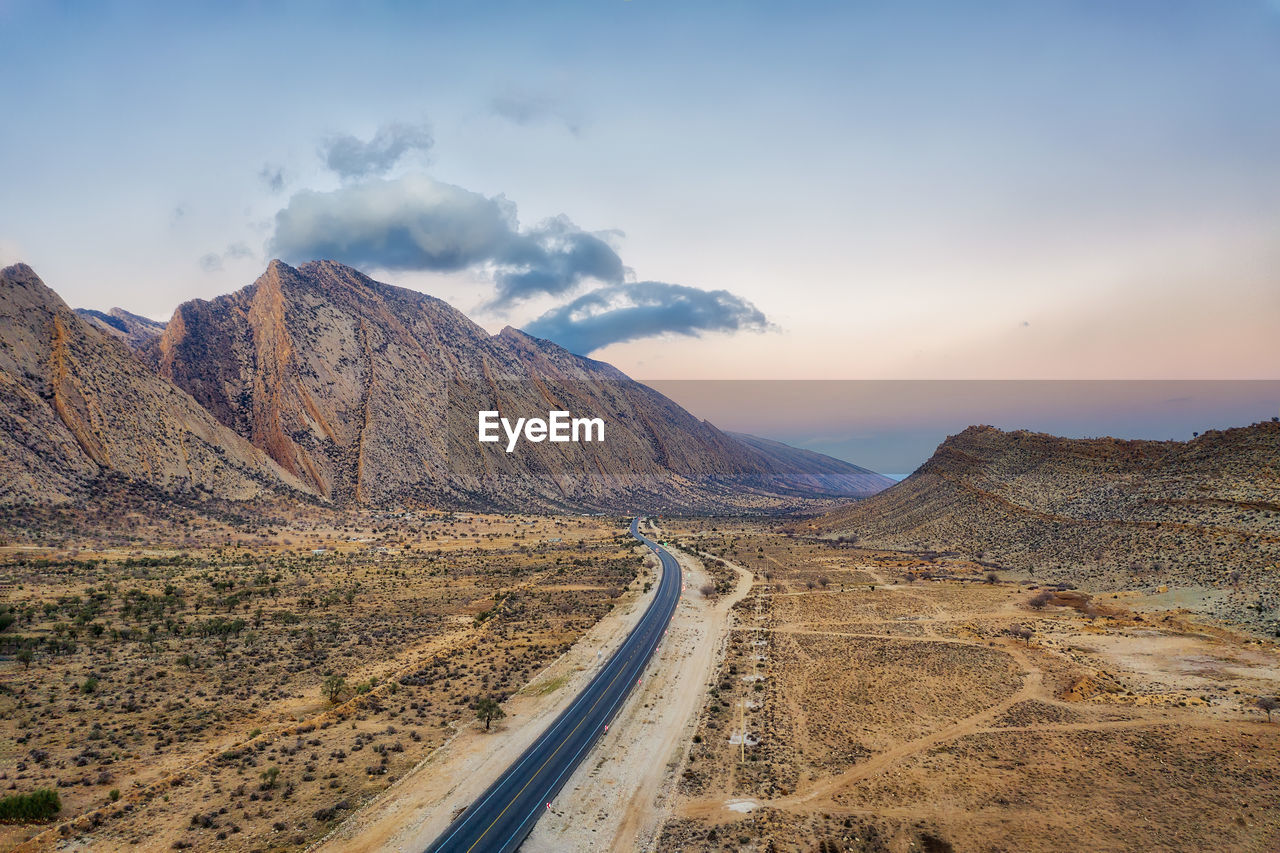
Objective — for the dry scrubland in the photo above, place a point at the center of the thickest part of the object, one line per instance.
(168, 671)
(911, 703)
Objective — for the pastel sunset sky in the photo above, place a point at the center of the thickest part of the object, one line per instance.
(1062, 189)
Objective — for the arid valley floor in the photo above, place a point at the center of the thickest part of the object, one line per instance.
(176, 694)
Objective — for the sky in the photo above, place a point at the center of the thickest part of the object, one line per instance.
(1065, 189)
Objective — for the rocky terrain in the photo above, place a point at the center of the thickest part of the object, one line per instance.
(77, 403)
(1201, 516)
(135, 331)
(322, 382)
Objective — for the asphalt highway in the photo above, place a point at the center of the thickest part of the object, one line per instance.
(501, 818)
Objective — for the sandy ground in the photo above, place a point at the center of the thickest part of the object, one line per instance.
(621, 794)
(902, 716)
(411, 813)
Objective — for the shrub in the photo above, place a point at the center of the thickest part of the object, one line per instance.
(41, 804)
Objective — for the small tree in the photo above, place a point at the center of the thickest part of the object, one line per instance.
(1269, 704)
(333, 687)
(707, 590)
(25, 656)
(824, 581)
(488, 710)
(268, 777)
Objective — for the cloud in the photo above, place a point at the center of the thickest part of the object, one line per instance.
(626, 312)
(272, 176)
(418, 223)
(526, 108)
(213, 261)
(349, 157)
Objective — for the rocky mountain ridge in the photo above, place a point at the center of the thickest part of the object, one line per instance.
(323, 381)
(1106, 512)
(76, 402)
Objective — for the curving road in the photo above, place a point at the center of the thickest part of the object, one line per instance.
(505, 813)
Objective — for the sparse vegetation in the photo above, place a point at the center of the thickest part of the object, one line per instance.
(322, 678)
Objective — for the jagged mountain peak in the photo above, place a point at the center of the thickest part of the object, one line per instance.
(369, 392)
(77, 402)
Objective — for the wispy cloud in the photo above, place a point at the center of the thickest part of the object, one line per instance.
(214, 261)
(626, 312)
(350, 157)
(272, 176)
(526, 108)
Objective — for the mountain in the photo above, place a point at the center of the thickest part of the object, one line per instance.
(135, 331)
(1117, 514)
(369, 393)
(76, 403)
(816, 472)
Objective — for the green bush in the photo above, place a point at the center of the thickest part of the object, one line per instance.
(41, 804)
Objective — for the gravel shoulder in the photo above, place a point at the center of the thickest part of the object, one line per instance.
(619, 797)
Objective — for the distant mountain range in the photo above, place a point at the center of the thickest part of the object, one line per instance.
(1116, 514)
(323, 383)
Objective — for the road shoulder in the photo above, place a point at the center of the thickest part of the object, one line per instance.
(620, 795)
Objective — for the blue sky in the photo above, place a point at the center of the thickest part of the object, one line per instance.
(746, 190)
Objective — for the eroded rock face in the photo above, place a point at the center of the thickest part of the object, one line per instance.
(369, 393)
(76, 402)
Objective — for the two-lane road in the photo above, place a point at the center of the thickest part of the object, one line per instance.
(504, 814)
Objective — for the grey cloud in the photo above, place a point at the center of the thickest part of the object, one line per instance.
(525, 108)
(210, 262)
(417, 223)
(626, 312)
(238, 250)
(350, 157)
(272, 176)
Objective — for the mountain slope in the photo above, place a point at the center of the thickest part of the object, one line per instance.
(134, 330)
(76, 403)
(821, 474)
(369, 393)
(1116, 513)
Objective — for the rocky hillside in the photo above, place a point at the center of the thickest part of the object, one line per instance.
(369, 393)
(77, 404)
(1116, 514)
(134, 330)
